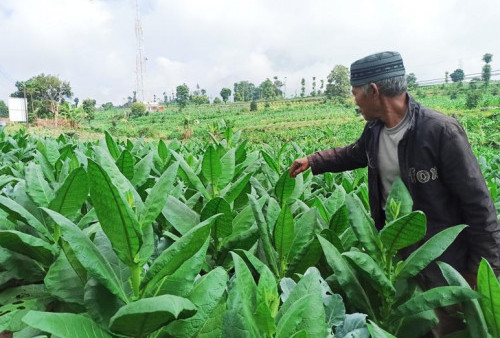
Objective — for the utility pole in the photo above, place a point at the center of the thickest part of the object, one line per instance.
(139, 57)
(25, 106)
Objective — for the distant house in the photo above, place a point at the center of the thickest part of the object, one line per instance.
(154, 106)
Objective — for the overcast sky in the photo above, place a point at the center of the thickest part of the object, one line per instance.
(215, 43)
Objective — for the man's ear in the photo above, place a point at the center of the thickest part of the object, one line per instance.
(374, 90)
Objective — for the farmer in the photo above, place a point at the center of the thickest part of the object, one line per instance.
(431, 154)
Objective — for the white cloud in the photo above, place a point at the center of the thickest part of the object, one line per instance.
(91, 43)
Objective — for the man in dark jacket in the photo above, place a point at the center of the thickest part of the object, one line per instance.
(431, 154)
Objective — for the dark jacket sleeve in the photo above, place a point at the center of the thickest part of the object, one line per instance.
(340, 159)
(462, 175)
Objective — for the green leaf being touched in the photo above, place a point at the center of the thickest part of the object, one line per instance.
(489, 287)
(284, 188)
(65, 324)
(146, 315)
(404, 231)
(117, 219)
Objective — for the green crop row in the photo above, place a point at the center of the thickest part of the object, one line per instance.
(213, 239)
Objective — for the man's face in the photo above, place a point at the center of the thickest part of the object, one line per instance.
(365, 103)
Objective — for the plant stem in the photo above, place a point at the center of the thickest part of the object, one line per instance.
(136, 279)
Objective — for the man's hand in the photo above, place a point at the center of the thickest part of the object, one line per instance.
(300, 165)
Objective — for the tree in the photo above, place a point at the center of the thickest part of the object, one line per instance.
(182, 95)
(313, 93)
(107, 106)
(277, 87)
(303, 87)
(76, 100)
(486, 74)
(88, 106)
(457, 75)
(446, 77)
(268, 90)
(411, 80)
(200, 99)
(225, 93)
(245, 91)
(338, 84)
(46, 93)
(4, 110)
(217, 101)
(487, 57)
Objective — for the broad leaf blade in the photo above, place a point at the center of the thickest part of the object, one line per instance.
(112, 146)
(88, 255)
(65, 324)
(72, 194)
(27, 245)
(115, 215)
(125, 164)
(284, 188)
(146, 315)
(428, 252)
(37, 187)
(211, 166)
(400, 195)
(489, 287)
(404, 231)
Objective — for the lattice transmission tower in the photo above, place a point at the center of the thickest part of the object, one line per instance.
(140, 60)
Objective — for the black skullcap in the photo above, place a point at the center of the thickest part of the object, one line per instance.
(376, 67)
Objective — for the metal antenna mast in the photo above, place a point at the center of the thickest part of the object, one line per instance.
(139, 58)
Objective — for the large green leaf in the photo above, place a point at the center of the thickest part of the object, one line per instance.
(18, 212)
(211, 166)
(437, 297)
(270, 162)
(27, 245)
(142, 170)
(227, 168)
(106, 162)
(237, 188)
(63, 282)
(239, 319)
(223, 225)
(88, 255)
(126, 163)
(489, 287)
(112, 146)
(157, 198)
(175, 255)
(207, 295)
(400, 197)
(192, 177)
(363, 226)
(72, 194)
(117, 218)
(146, 315)
(296, 313)
(264, 235)
(346, 278)
(377, 332)
(36, 185)
(182, 217)
(371, 271)
(283, 233)
(284, 187)
(428, 252)
(403, 231)
(476, 324)
(65, 324)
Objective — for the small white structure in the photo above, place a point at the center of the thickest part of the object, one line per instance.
(18, 111)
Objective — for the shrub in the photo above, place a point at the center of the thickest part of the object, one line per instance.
(472, 99)
(253, 106)
(138, 109)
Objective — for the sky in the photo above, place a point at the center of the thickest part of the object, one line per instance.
(215, 43)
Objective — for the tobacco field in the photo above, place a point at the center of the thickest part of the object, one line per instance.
(212, 238)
